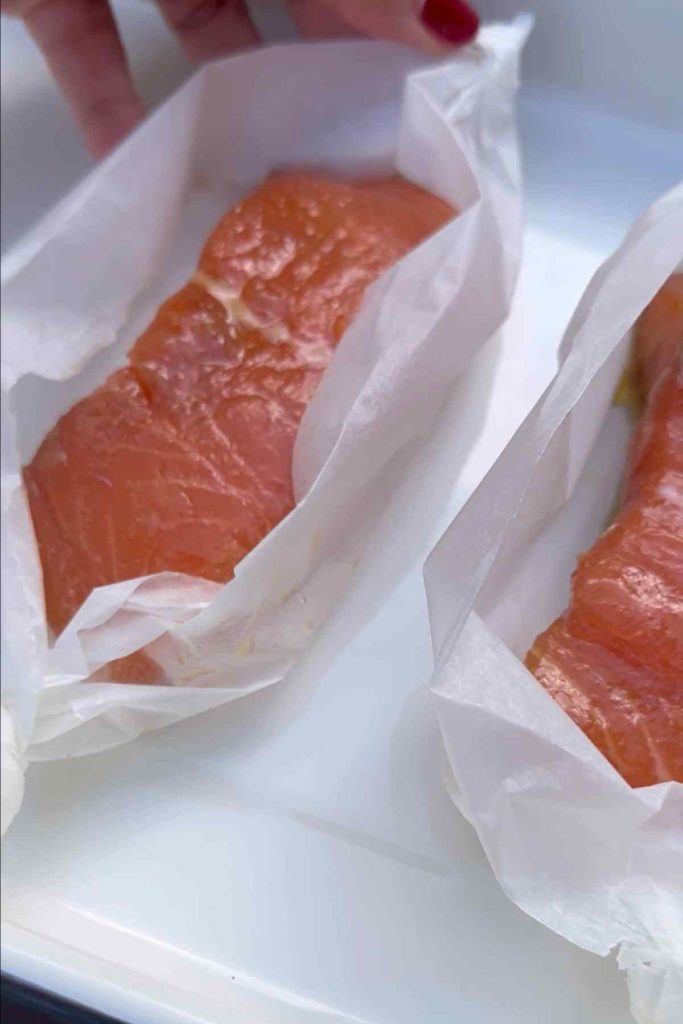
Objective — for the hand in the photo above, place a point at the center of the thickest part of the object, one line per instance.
(82, 47)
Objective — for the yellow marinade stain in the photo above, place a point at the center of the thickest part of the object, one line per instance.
(628, 392)
(245, 647)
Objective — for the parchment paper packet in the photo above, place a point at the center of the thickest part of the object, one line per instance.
(78, 290)
(570, 842)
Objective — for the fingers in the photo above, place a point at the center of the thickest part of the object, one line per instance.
(210, 28)
(81, 45)
(434, 26)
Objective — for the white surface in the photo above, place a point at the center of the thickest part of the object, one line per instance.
(622, 54)
(150, 855)
(318, 855)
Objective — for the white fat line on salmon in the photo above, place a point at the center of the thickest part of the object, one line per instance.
(237, 309)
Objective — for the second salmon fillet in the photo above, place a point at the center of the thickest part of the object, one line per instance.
(614, 659)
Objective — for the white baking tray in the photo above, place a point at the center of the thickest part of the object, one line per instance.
(295, 857)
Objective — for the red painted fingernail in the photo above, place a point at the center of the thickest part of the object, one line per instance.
(453, 20)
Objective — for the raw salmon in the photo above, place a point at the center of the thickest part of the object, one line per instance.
(301, 251)
(614, 659)
(181, 460)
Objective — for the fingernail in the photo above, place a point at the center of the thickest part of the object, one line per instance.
(453, 20)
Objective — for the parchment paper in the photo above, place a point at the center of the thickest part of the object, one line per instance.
(570, 842)
(81, 286)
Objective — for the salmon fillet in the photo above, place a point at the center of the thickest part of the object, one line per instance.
(182, 459)
(614, 659)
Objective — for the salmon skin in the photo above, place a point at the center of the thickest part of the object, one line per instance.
(614, 659)
(182, 459)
